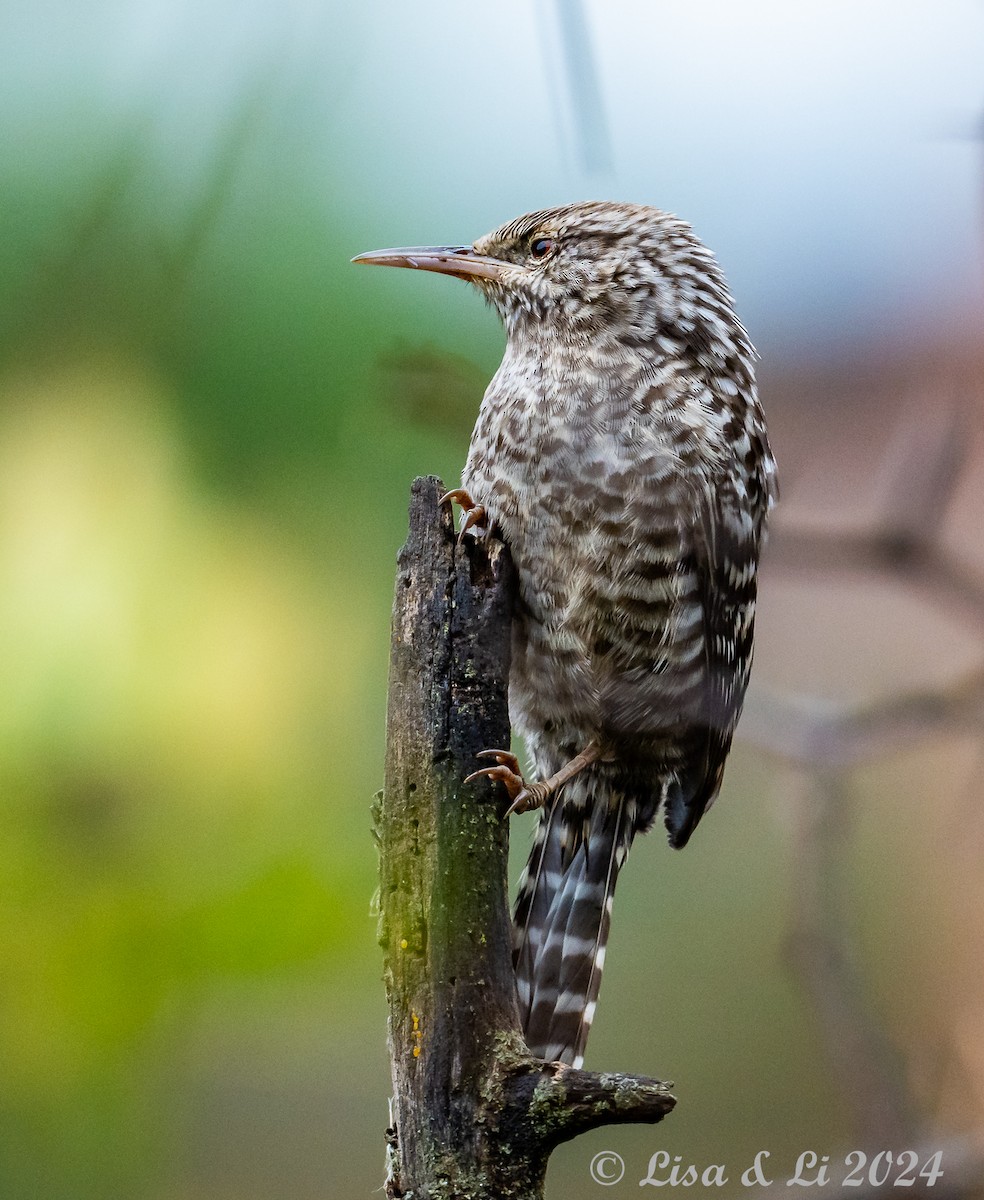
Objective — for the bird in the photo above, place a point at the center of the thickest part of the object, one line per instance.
(622, 454)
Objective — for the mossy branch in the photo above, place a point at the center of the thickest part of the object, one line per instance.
(474, 1115)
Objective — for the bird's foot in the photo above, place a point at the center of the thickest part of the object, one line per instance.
(473, 516)
(524, 796)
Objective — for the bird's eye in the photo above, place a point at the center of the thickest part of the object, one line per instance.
(540, 247)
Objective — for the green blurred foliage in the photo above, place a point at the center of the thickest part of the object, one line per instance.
(201, 494)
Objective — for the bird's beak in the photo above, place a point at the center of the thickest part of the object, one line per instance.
(461, 261)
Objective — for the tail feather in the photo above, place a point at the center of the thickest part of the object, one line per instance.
(563, 915)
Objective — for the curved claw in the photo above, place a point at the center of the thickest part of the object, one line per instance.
(504, 758)
(472, 514)
(507, 771)
(500, 773)
(530, 798)
(514, 783)
(457, 496)
(475, 518)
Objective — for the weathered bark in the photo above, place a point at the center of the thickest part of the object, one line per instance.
(474, 1116)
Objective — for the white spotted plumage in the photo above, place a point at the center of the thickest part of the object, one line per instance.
(622, 452)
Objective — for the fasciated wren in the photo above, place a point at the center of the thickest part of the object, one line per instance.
(622, 452)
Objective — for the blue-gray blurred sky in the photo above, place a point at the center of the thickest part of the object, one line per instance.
(829, 152)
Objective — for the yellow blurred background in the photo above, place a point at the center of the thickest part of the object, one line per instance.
(209, 423)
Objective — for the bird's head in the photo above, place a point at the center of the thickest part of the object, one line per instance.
(624, 273)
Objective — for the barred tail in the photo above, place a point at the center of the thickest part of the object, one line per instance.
(563, 914)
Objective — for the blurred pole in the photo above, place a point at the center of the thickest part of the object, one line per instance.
(867, 1066)
(569, 44)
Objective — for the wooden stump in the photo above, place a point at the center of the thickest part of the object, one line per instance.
(474, 1115)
